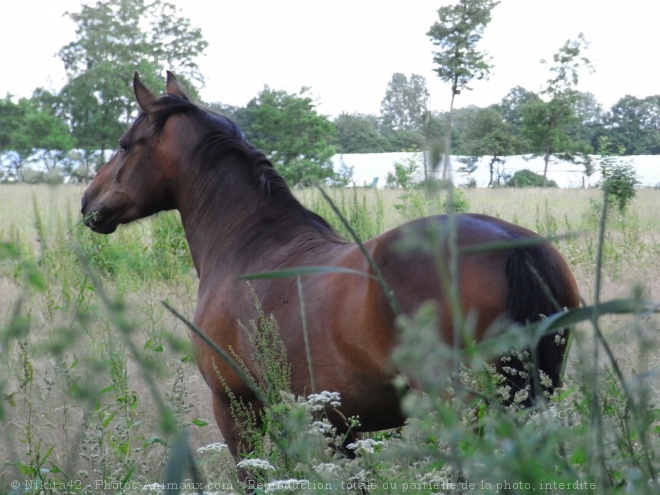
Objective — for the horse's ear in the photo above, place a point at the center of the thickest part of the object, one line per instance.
(144, 97)
(173, 86)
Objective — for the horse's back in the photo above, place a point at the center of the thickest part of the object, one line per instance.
(425, 259)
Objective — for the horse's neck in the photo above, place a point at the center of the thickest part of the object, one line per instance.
(228, 232)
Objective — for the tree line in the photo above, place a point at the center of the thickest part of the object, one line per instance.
(69, 133)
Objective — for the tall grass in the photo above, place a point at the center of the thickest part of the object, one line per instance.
(97, 377)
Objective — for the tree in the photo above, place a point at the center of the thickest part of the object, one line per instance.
(358, 133)
(405, 104)
(488, 134)
(456, 35)
(30, 132)
(634, 124)
(511, 106)
(548, 125)
(590, 119)
(406, 121)
(290, 130)
(114, 38)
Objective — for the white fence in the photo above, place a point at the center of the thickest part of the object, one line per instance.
(369, 166)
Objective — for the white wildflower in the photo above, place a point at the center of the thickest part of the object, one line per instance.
(288, 397)
(545, 379)
(323, 427)
(367, 445)
(322, 399)
(521, 396)
(327, 468)
(214, 447)
(509, 370)
(255, 463)
(504, 392)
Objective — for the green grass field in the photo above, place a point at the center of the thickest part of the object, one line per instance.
(97, 376)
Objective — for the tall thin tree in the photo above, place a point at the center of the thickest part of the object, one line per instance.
(457, 34)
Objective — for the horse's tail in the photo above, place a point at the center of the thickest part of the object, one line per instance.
(540, 284)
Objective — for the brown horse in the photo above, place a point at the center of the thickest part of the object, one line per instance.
(240, 217)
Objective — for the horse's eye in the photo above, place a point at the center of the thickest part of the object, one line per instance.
(123, 147)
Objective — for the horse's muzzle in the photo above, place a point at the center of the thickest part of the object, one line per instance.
(96, 220)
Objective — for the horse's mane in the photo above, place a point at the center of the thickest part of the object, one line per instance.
(224, 136)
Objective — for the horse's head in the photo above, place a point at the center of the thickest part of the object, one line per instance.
(135, 182)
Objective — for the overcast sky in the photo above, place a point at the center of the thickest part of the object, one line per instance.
(347, 50)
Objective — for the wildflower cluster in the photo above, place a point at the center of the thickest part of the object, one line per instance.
(213, 447)
(322, 399)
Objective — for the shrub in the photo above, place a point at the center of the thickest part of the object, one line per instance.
(527, 178)
(618, 182)
(618, 176)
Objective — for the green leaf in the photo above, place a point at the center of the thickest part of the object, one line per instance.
(579, 457)
(127, 478)
(108, 419)
(199, 422)
(153, 440)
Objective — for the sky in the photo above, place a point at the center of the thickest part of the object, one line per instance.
(347, 50)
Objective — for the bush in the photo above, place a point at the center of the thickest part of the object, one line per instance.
(618, 176)
(619, 182)
(527, 178)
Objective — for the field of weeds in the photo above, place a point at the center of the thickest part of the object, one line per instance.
(100, 394)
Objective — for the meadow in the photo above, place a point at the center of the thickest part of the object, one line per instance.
(100, 393)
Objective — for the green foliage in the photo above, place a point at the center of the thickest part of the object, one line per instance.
(456, 202)
(527, 178)
(405, 174)
(74, 372)
(357, 133)
(405, 177)
(549, 125)
(295, 137)
(590, 117)
(405, 104)
(30, 131)
(488, 134)
(364, 211)
(634, 124)
(618, 176)
(114, 38)
(457, 34)
(512, 103)
(131, 254)
(169, 248)
(273, 380)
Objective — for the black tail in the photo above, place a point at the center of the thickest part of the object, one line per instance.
(537, 286)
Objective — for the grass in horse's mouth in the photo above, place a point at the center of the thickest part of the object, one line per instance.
(92, 218)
